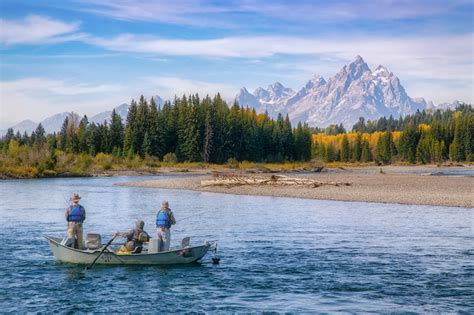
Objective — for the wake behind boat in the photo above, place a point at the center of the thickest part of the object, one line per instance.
(183, 255)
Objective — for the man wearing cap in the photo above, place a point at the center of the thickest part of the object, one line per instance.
(75, 216)
(164, 220)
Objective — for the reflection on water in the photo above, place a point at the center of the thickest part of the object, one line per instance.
(277, 254)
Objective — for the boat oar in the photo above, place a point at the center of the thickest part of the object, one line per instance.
(101, 252)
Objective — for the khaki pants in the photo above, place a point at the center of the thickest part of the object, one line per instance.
(164, 239)
(74, 231)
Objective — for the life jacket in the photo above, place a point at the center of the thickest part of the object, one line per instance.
(76, 214)
(140, 236)
(163, 219)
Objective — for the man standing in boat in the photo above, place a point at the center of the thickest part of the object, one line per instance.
(164, 220)
(75, 216)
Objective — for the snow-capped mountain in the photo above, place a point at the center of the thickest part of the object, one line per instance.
(444, 106)
(269, 99)
(355, 91)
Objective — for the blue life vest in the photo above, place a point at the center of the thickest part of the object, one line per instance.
(76, 214)
(162, 219)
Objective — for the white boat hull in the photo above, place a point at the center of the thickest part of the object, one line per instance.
(174, 256)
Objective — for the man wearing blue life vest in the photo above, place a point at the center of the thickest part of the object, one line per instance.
(164, 221)
(75, 216)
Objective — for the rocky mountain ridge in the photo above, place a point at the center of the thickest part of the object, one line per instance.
(355, 91)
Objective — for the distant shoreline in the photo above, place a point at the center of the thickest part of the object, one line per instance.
(389, 184)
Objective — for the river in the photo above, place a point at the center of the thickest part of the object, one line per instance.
(277, 254)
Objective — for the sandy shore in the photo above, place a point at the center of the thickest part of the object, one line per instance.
(368, 184)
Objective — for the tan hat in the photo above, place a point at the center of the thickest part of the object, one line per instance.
(75, 197)
(165, 204)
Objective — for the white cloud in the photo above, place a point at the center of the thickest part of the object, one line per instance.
(231, 13)
(37, 98)
(188, 12)
(36, 29)
(433, 57)
(171, 86)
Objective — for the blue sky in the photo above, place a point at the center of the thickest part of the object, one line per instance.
(91, 55)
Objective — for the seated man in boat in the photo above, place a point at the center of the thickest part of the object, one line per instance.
(135, 239)
(75, 217)
(164, 220)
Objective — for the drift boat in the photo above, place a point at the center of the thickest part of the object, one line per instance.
(184, 255)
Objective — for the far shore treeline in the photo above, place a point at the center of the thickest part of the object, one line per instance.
(207, 131)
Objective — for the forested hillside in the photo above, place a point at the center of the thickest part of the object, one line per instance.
(207, 130)
(420, 138)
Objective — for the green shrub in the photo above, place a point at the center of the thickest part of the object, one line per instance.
(170, 158)
(232, 163)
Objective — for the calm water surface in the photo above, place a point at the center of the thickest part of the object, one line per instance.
(277, 254)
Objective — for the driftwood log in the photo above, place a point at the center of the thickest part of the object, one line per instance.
(276, 180)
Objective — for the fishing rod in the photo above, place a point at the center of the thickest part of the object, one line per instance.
(185, 218)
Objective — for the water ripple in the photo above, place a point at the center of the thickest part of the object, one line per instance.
(277, 254)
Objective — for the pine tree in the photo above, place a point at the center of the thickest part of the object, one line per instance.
(357, 148)
(116, 131)
(93, 139)
(190, 146)
(130, 137)
(208, 138)
(63, 135)
(40, 137)
(330, 153)
(345, 150)
(299, 142)
(142, 125)
(82, 135)
(307, 143)
(366, 154)
(424, 149)
(457, 148)
(156, 136)
(234, 135)
(385, 148)
(360, 125)
(146, 148)
(104, 138)
(408, 142)
(288, 140)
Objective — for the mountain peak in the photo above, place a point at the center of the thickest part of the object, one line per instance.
(315, 82)
(318, 79)
(359, 63)
(381, 70)
(243, 90)
(277, 85)
(358, 60)
(352, 71)
(353, 92)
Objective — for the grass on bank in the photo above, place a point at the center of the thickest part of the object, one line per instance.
(36, 162)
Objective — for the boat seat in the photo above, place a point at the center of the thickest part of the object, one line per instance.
(185, 242)
(93, 241)
(137, 250)
(69, 242)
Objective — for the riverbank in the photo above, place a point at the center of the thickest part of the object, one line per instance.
(421, 185)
